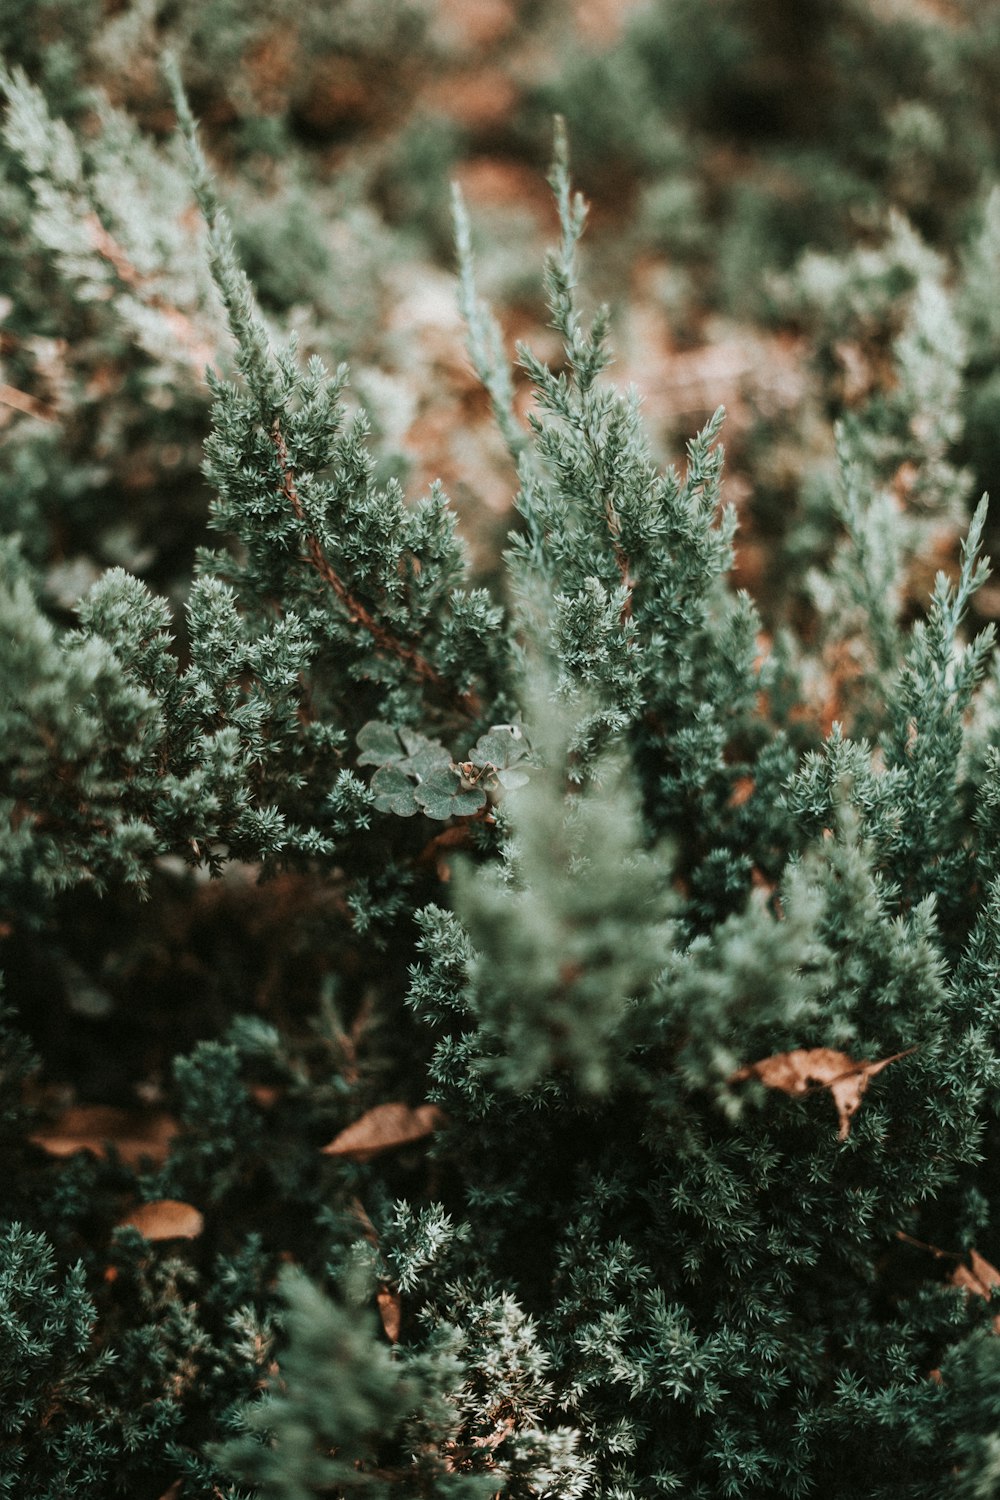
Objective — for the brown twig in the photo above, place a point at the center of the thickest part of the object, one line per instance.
(625, 570)
(934, 1250)
(356, 611)
(457, 836)
(614, 524)
(621, 557)
(199, 353)
(22, 401)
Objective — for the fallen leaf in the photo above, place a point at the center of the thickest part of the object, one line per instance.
(165, 1219)
(266, 1094)
(358, 1212)
(979, 1279)
(134, 1133)
(742, 791)
(478, 100)
(801, 1071)
(382, 1128)
(390, 1311)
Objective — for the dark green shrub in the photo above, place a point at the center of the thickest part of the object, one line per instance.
(663, 1012)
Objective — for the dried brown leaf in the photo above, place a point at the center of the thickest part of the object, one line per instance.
(266, 1094)
(979, 1279)
(165, 1219)
(477, 98)
(390, 1311)
(801, 1071)
(359, 1212)
(134, 1133)
(383, 1128)
(742, 791)
(987, 1274)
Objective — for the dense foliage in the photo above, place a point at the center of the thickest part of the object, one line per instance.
(528, 1032)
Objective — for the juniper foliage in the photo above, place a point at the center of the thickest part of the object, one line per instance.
(624, 1267)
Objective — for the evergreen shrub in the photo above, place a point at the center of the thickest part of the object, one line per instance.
(599, 1096)
(750, 142)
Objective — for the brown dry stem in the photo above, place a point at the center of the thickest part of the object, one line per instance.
(356, 611)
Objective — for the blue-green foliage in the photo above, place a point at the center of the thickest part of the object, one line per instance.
(341, 1393)
(49, 1382)
(623, 1267)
